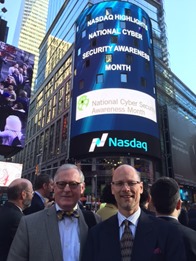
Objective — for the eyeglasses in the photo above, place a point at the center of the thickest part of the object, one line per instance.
(63, 184)
(32, 192)
(120, 184)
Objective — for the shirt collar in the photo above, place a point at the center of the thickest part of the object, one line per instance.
(58, 208)
(42, 198)
(133, 218)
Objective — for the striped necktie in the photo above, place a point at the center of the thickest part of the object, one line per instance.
(126, 242)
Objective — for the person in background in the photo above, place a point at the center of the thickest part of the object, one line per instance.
(165, 194)
(19, 193)
(110, 208)
(12, 133)
(149, 238)
(145, 200)
(43, 189)
(59, 232)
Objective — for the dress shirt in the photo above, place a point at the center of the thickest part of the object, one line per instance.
(133, 219)
(69, 235)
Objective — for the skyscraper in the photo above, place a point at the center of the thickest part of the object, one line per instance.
(32, 27)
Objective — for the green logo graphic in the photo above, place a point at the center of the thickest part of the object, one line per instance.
(82, 103)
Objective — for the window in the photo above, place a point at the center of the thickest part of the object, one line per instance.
(100, 26)
(93, 43)
(143, 81)
(79, 51)
(123, 77)
(99, 78)
(108, 58)
(114, 39)
(81, 84)
(127, 12)
(108, 11)
(122, 24)
(87, 63)
(128, 58)
(83, 33)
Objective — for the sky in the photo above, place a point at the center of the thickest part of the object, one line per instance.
(181, 34)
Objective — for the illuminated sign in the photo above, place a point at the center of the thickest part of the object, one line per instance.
(114, 82)
(9, 172)
(15, 91)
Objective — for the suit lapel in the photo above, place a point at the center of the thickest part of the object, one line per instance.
(52, 230)
(145, 239)
(83, 231)
(111, 234)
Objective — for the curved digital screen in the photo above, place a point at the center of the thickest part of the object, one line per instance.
(114, 82)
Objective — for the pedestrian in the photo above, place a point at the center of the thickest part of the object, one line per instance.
(165, 194)
(132, 234)
(57, 233)
(19, 193)
(43, 189)
(110, 207)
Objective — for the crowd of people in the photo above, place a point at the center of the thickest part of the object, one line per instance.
(136, 222)
(15, 92)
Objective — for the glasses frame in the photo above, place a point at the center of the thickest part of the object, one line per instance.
(120, 184)
(72, 184)
(31, 192)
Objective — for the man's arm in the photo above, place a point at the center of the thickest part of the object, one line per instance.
(19, 248)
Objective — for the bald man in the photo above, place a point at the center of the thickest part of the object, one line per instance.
(20, 193)
(152, 238)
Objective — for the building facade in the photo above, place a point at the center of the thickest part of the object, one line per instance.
(48, 132)
(32, 27)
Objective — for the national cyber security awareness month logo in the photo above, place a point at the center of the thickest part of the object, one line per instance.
(115, 142)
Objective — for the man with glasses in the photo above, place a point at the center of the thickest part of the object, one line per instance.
(57, 233)
(132, 234)
(19, 193)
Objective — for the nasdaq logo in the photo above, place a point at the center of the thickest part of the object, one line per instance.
(134, 143)
(97, 142)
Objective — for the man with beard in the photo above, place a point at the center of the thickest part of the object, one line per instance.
(19, 193)
(132, 234)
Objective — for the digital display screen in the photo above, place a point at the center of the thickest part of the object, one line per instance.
(16, 71)
(114, 80)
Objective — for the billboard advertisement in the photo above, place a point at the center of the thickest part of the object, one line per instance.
(114, 96)
(183, 147)
(9, 172)
(16, 70)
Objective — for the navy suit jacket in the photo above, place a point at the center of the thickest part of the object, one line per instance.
(36, 205)
(189, 236)
(155, 240)
(10, 216)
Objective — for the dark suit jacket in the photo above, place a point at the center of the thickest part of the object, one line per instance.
(38, 238)
(10, 216)
(36, 205)
(154, 240)
(188, 235)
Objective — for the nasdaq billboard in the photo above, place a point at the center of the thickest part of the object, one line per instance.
(114, 94)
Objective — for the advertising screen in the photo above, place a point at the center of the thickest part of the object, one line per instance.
(9, 172)
(183, 147)
(114, 96)
(16, 70)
